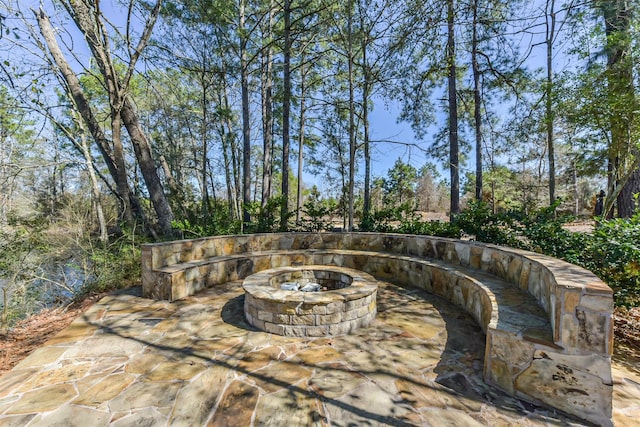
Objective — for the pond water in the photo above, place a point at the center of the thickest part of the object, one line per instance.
(46, 286)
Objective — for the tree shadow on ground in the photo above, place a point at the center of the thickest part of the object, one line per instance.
(376, 354)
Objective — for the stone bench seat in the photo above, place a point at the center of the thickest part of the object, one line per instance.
(548, 324)
(493, 302)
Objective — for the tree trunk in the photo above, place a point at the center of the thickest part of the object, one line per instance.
(627, 203)
(549, 116)
(83, 147)
(122, 182)
(453, 112)
(576, 193)
(286, 111)
(229, 151)
(236, 162)
(301, 131)
(95, 190)
(5, 188)
(246, 126)
(147, 167)
(625, 178)
(476, 101)
(228, 167)
(352, 125)
(204, 130)
(166, 169)
(366, 89)
(267, 115)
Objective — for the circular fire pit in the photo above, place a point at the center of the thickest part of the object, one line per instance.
(284, 301)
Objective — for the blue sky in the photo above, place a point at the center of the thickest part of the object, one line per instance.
(383, 120)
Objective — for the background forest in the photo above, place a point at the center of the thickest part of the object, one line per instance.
(127, 121)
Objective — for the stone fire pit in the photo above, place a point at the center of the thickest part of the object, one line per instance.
(346, 300)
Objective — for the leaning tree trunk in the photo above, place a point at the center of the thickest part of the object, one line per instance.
(91, 23)
(147, 167)
(82, 146)
(84, 108)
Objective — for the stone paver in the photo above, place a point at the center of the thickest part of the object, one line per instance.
(135, 361)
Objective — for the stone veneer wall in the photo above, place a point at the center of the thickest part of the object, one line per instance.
(333, 312)
(572, 374)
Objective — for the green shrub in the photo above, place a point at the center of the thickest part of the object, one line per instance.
(543, 232)
(404, 219)
(47, 267)
(611, 251)
(614, 255)
(389, 220)
(431, 228)
(116, 266)
(216, 221)
(266, 219)
(317, 213)
(483, 225)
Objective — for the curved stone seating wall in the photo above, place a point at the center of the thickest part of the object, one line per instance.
(548, 323)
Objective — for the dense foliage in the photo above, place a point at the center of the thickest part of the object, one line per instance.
(47, 262)
(611, 250)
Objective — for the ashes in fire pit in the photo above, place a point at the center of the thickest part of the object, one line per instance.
(310, 301)
(311, 279)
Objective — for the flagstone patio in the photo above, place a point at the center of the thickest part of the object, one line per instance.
(136, 361)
